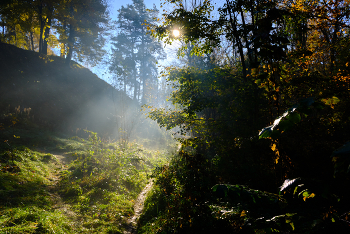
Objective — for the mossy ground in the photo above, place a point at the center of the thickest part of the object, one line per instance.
(53, 184)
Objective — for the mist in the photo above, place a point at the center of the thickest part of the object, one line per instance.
(71, 100)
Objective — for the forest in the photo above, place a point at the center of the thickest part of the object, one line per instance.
(258, 102)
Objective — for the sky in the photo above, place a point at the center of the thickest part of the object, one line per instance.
(114, 5)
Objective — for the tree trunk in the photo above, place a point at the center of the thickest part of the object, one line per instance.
(32, 40)
(47, 31)
(233, 21)
(70, 46)
(41, 21)
(135, 87)
(63, 46)
(143, 70)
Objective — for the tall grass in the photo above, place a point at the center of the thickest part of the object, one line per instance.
(72, 185)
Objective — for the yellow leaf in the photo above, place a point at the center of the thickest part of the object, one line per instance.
(276, 160)
(310, 196)
(273, 147)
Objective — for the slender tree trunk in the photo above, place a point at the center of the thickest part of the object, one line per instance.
(32, 40)
(47, 32)
(143, 70)
(245, 36)
(135, 87)
(253, 15)
(70, 44)
(41, 21)
(233, 21)
(63, 45)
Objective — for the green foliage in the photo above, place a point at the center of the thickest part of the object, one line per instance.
(209, 107)
(25, 205)
(103, 182)
(94, 193)
(195, 25)
(135, 51)
(288, 119)
(219, 109)
(179, 185)
(28, 24)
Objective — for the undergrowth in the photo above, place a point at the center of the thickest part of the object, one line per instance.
(90, 189)
(190, 196)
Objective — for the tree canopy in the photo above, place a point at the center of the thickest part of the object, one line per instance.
(74, 26)
(268, 113)
(135, 51)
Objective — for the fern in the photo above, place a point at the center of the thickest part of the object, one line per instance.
(288, 183)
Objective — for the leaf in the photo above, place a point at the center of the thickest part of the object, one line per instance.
(307, 195)
(287, 183)
(296, 188)
(292, 225)
(287, 120)
(303, 192)
(331, 101)
(271, 130)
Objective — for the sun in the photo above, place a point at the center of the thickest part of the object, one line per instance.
(176, 33)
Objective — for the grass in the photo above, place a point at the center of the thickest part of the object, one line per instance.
(25, 201)
(53, 184)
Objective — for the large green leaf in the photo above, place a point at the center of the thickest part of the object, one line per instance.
(286, 121)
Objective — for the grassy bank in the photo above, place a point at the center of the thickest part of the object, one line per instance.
(53, 184)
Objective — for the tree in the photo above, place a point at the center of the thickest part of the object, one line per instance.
(292, 75)
(81, 24)
(136, 52)
(18, 19)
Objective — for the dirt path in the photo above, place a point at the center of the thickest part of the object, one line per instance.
(138, 207)
(59, 204)
(62, 162)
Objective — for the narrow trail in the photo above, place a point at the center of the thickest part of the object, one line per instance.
(62, 162)
(138, 207)
(59, 204)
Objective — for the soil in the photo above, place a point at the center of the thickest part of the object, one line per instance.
(138, 207)
(62, 161)
(64, 208)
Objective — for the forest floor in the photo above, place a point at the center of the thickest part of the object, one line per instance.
(60, 205)
(74, 185)
(138, 208)
(65, 208)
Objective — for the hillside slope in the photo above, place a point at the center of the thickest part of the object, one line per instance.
(59, 97)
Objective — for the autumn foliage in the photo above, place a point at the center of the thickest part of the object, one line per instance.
(269, 110)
